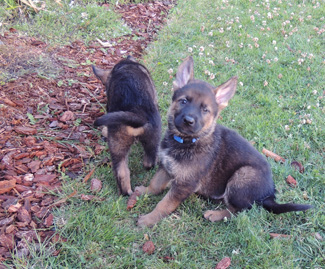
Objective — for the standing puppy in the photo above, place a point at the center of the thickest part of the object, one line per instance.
(132, 114)
(199, 156)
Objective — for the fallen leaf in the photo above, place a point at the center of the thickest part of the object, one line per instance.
(88, 176)
(298, 166)
(148, 247)
(132, 200)
(7, 185)
(224, 263)
(63, 200)
(96, 185)
(318, 237)
(167, 258)
(86, 197)
(291, 181)
(275, 235)
(272, 155)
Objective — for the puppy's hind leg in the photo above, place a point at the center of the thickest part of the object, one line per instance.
(150, 147)
(119, 147)
(218, 215)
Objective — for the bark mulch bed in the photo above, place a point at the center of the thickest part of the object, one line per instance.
(47, 109)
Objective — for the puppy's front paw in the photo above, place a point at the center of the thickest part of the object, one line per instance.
(141, 189)
(216, 215)
(146, 221)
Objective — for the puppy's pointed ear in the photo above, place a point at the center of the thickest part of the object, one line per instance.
(101, 73)
(225, 92)
(131, 58)
(184, 73)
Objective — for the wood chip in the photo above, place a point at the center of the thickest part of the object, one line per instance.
(272, 155)
(25, 130)
(7, 185)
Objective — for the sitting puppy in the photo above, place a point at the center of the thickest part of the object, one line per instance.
(199, 156)
(132, 114)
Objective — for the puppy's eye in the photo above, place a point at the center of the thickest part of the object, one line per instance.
(183, 101)
(205, 109)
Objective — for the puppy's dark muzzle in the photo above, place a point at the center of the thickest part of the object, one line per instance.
(188, 120)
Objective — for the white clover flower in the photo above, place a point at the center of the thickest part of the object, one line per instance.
(241, 83)
(165, 83)
(274, 42)
(210, 33)
(212, 76)
(170, 71)
(221, 30)
(207, 72)
(275, 59)
(201, 48)
(190, 49)
(286, 127)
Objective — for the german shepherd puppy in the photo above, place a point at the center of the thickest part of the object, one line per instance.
(199, 156)
(132, 115)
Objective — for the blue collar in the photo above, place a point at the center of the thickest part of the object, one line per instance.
(181, 140)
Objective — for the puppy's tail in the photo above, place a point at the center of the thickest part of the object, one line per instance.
(126, 118)
(270, 205)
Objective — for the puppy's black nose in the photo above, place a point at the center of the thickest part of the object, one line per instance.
(189, 120)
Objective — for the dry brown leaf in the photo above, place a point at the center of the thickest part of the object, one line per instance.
(87, 197)
(275, 235)
(298, 166)
(272, 155)
(291, 181)
(87, 177)
(96, 185)
(148, 247)
(61, 201)
(132, 200)
(224, 263)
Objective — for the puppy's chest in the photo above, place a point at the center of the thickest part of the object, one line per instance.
(184, 164)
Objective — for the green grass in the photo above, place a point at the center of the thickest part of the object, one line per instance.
(61, 24)
(104, 235)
